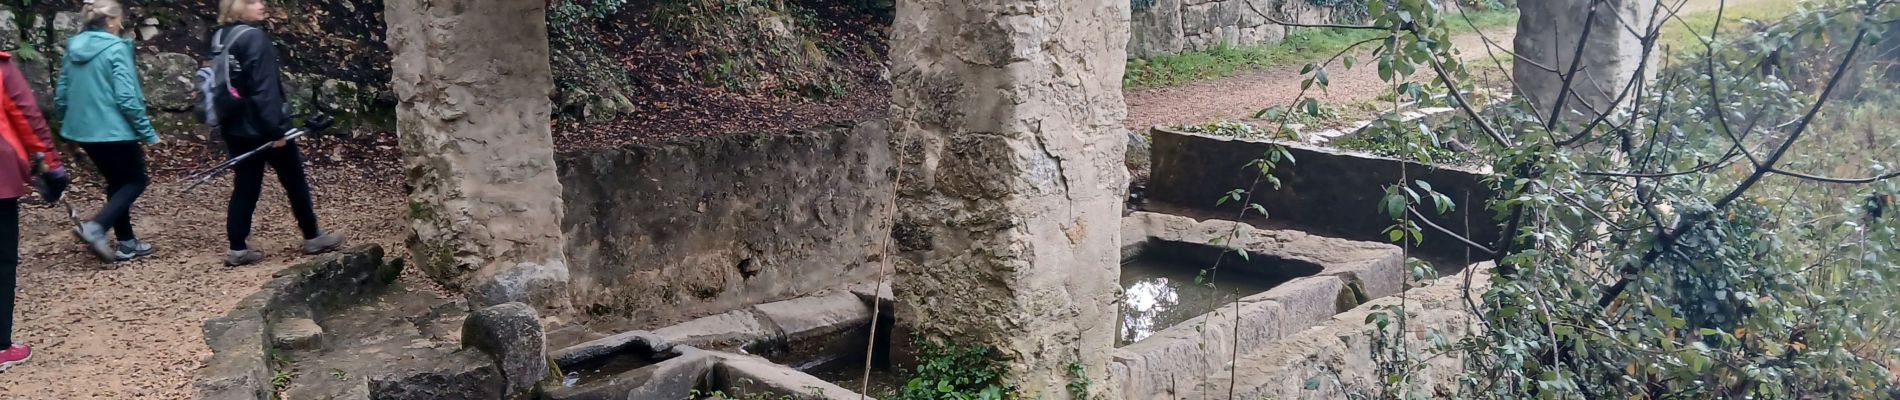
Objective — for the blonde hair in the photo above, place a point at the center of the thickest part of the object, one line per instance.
(98, 12)
(232, 11)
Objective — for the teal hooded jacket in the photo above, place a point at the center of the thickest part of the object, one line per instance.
(98, 92)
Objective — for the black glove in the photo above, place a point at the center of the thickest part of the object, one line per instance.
(317, 123)
(51, 184)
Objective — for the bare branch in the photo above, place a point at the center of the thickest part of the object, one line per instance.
(1489, 45)
(1576, 63)
(1818, 178)
(1461, 238)
(1636, 82)
(1768, 165)
(1451, 87)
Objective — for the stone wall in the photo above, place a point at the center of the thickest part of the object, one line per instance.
(1333, 360)
(1010, 118)
(668, 231)
(1175, 26)
(1324, 191)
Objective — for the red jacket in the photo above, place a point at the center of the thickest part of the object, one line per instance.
(23, 131)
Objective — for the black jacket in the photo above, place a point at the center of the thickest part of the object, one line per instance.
(261, 115)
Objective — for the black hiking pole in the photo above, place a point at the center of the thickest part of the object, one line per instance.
(201, 178)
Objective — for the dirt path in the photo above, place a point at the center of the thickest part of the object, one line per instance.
(1241, 95)
(134, 332)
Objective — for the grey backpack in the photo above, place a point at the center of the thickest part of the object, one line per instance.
(214, 85)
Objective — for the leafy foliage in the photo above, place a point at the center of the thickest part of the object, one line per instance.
(573, 12)
(1698, 242)
(947, 371)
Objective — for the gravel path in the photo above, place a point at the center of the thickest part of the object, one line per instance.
(134, 332)
(1243, 94)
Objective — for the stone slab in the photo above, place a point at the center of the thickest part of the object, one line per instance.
(238, 367)
(809, 317)
(297, 334)
(674, 378)
(745, 376)
(469, 375)
(723, 330)
(640, 341)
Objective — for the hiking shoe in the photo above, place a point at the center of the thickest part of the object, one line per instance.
(324, 243)
(238, 258)
(94, 237)
(15, 355)
(132, 249)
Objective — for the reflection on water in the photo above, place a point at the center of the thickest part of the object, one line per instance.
(1162, 292)
(604, 368)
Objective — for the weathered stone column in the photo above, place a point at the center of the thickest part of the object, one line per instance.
(484, 202)
(1547, 35)
(1009, 114)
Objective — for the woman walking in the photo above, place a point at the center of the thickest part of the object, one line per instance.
(253, 115)
(98, 93)
(24, 147)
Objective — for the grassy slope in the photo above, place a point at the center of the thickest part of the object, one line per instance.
(1304, 46)
(1681, 34)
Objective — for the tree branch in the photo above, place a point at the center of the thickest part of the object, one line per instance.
(1576, 63)
(1768, 165)
(1635, 83)
(1451, 87)
(1817, 178)
(1467, 241)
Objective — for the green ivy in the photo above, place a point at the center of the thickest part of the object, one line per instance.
(948, 371)
(571, 13)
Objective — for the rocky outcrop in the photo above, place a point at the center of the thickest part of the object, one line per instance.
(712, 224)
(473, 79)
(243, 339)
(168, 81)
(511, 334)
(468, 375)
(1009, 118)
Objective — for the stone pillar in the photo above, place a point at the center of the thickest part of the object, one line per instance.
(473, 81)
(1547, 34)
(1009, 116)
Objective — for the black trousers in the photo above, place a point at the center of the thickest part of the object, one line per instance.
(248, 184)
(123, 166)
(9, 265)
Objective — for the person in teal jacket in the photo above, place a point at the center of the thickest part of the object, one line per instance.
(104, 111)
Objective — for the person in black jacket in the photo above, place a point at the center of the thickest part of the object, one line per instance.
(258, 117)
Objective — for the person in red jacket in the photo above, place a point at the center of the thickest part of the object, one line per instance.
(25, 147)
